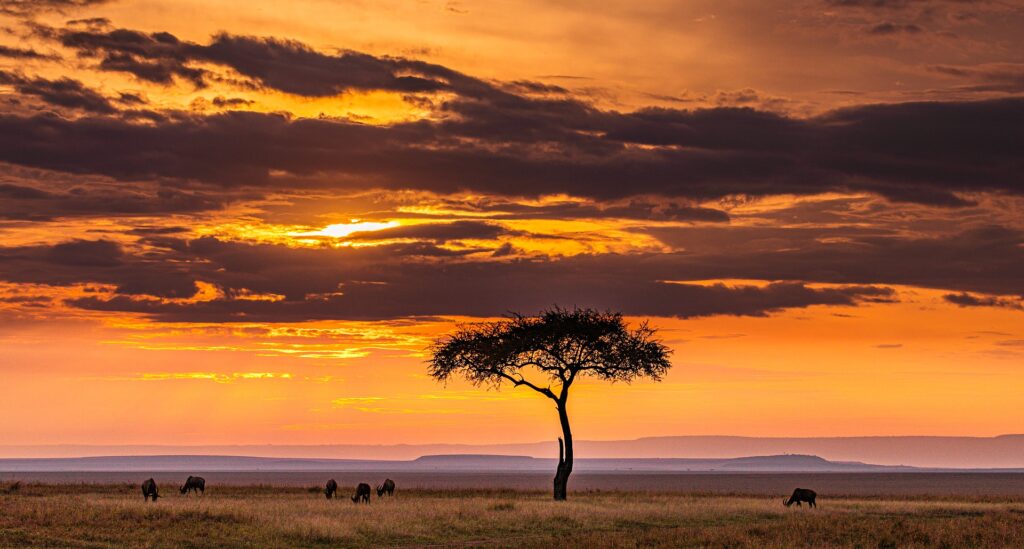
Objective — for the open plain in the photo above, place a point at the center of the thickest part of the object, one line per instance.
(462, 511)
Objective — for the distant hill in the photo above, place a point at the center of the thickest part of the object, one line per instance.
(1006, 451)
(477, 462)
(434, 463)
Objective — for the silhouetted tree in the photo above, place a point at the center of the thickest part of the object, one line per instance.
(556, 347)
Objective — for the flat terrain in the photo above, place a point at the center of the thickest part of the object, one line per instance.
(114, 515)
(750, 484)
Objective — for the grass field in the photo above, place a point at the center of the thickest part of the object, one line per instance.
(114, 515)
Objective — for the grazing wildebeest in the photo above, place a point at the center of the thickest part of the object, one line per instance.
(387, 488)
(194, 484)
(149, 490)
(362, 493)
(802, 494)
(332, 487)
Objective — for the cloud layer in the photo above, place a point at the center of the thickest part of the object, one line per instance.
(516, 194)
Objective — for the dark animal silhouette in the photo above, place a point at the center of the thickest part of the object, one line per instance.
(331, 488)
(362, 493)
(802, 494)
(149, 490)
(194, 484)
(387, 488)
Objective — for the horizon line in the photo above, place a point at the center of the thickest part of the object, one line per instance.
(542, 441)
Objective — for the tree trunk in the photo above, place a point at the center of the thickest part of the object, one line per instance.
(564, 457)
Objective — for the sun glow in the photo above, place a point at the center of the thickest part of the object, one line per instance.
(341, 230)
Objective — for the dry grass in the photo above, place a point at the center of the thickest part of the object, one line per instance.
(42, 515)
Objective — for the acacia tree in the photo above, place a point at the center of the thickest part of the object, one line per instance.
(548, 353)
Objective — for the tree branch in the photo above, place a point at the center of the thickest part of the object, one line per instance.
(565, 366)
(522, 381)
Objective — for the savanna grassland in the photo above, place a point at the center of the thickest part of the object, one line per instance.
(114, 515)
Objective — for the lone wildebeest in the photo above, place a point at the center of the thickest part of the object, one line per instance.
(802, 494)
(332, 487)
(387, 488)
(362, 493)
(194, 484)
(149, 490)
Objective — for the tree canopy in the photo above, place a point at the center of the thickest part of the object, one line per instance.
(561, 344)
(554, 348)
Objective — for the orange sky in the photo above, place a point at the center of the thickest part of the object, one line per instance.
(250, 232)
(911, 368)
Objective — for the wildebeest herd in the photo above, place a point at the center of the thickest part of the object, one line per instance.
(198, 485)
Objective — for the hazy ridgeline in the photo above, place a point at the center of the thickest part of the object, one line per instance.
(113, 515)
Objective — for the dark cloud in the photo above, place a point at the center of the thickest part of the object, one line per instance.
(231, 102)
(920, 152)
(711, 240)
(64, 92)
(16, 192)
(285, 65)
(156, 57)
(128, 98)
(423, 279)
(437, 232)
(647, 208)
(869, 3)
(21, 53)
(384, 282)
(898, 4)
(94, 262)
(986, 77)
(85, 253)
(91, 199)
(295, 68)
(489, 138)
(676, 212)
(1011, 343)
(973, 25)
(888, 28)
(33, 7)
(92, 23)
(482, 297)
(964, 299)
(529, 86)
(470, 288)
(497, 142)
(985, 260)
(150, 231)
(29, 300)
(504, 250)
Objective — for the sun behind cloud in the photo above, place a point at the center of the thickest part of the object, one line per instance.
(341, 230)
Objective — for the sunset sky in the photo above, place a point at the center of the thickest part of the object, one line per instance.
(243, 222)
